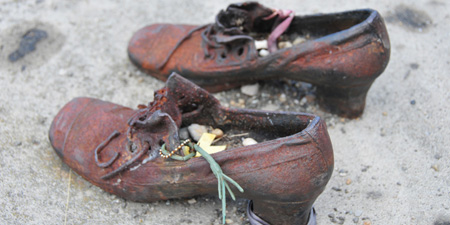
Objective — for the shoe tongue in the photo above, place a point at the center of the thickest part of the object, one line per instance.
(242, 18)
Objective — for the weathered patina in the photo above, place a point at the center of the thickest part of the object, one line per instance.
(117, 149)
(343, 53)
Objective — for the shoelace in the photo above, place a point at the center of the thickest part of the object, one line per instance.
(283, 21)
(222, 179)
(144, 117)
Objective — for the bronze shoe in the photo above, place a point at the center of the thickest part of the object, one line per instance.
(116, 148)
(340, 53)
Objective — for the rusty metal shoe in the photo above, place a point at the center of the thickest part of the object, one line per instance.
(340, 53)
(117, 149)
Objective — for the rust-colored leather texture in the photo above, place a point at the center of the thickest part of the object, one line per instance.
(342, 56)
(116, 148)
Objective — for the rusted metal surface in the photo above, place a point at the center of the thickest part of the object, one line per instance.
(116, 148)
(343, 54)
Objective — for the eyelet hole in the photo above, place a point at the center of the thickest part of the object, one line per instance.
(223, 55)
(240, 51)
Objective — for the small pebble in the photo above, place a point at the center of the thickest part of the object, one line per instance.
(250, 90)
(262, 44)
(355, 220)
(192, 201)
(341, 219)
(249, 141)
(385, 114)
(196, 131)
(218, 132)
(348, 182)
(167, 202)
(437, 156)
(336, 189)
(183, 133)
(282, 98)
(343, 173)
(367, 223)
(413, 102)
(435, 167)
(284, 44)
(229, 221)
(303, 101)
(358, 213)
(263, 52)
(298, 40)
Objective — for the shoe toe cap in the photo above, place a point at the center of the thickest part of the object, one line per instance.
(149, 47)
(63, 122)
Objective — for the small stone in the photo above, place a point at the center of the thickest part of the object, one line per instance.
(358, 213)
(435, 167)
(355, 220)
(414, 66)
(249, 141)
(282, 98)
(437, 156)
(343, 173)
(284, 44)
(167, 202)
(331, 215)
(303, 101)
(183, 133)
(192, 201)
(218, 132)
(367, 223)
(196, 131)
(298, 40)
(262, 44)
(385, 114)
(341, 219)
(413, 102)
(263, 52)
(336, 189)
(348, 181)
(250, 90)
(241, 102)
(229, 221)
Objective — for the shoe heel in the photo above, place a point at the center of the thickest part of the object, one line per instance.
(346, 102)
(283, 213)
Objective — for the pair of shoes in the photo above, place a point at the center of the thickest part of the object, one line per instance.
(121, 150)
(117, 149)
(341, 53)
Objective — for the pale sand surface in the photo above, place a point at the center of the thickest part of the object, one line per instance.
(392, 165)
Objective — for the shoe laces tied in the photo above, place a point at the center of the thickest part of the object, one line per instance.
(148, 127)
(218, 35)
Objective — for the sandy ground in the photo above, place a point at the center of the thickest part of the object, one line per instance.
(392, 164)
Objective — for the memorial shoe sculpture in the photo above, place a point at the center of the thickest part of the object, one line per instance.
(340, 53)
(131, 153)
